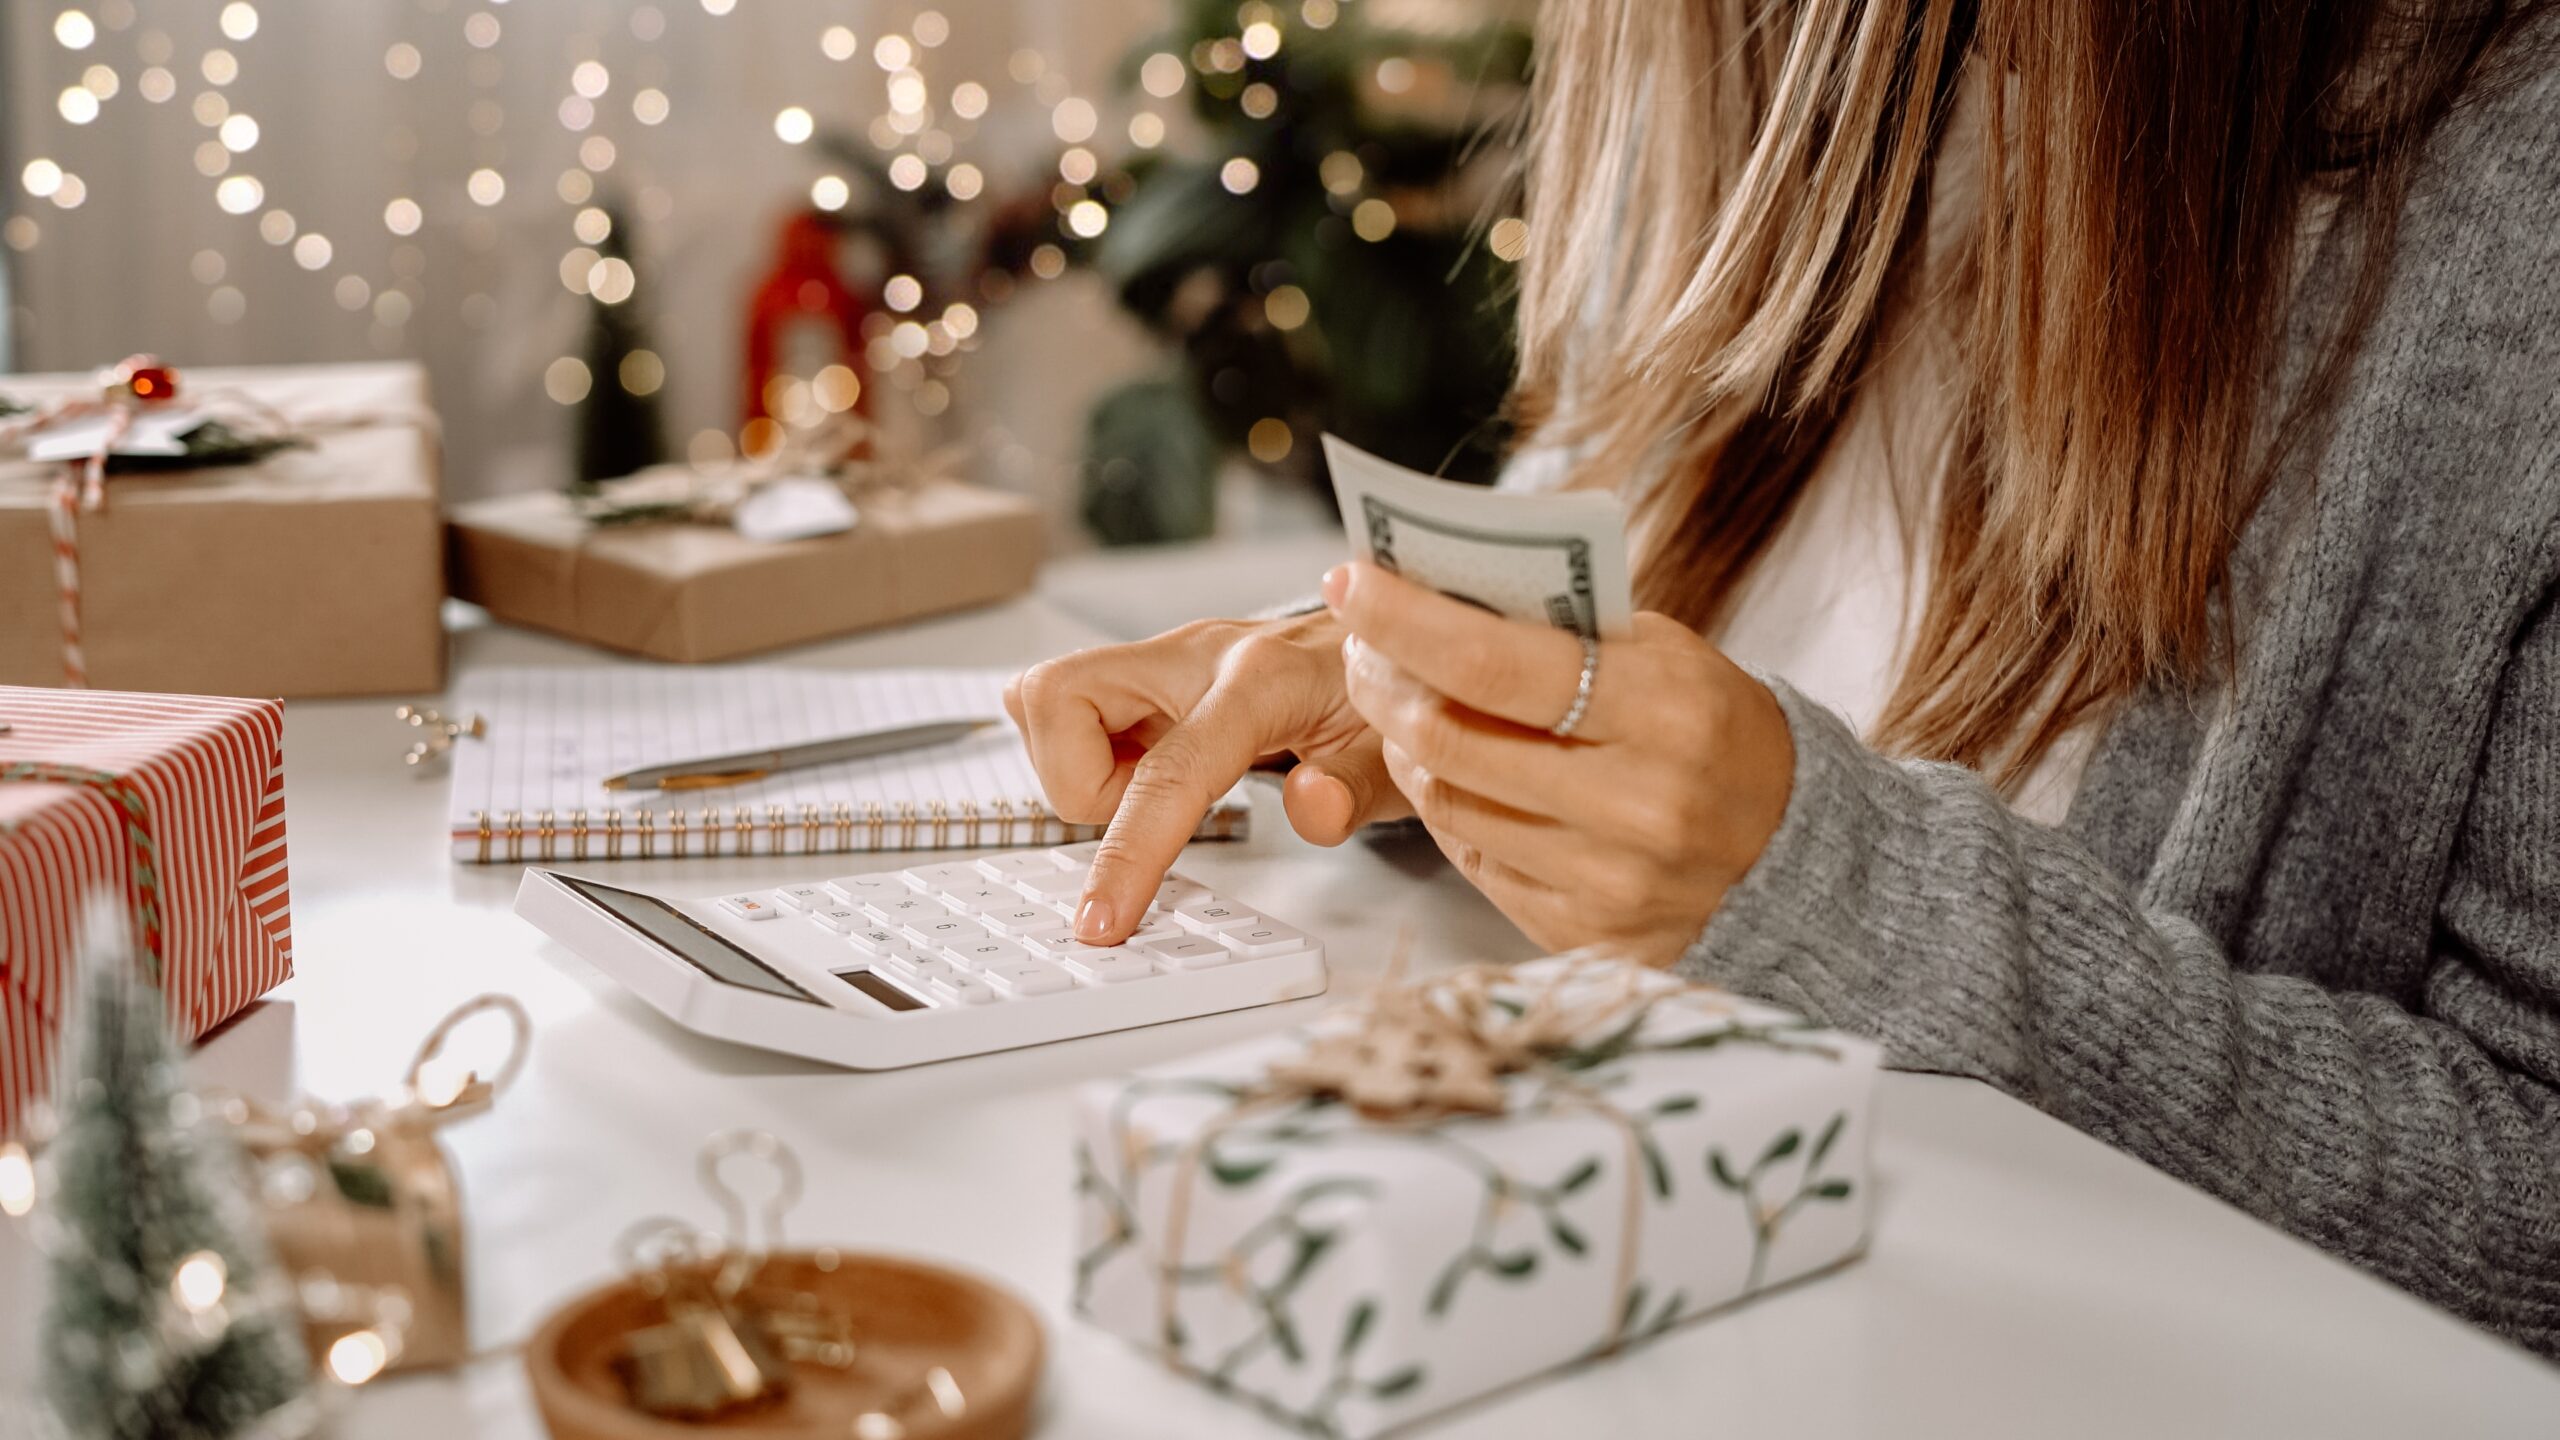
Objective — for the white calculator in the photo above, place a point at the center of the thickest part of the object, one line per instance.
(900, 967)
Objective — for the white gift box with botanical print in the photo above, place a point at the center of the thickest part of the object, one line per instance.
(1458, 1185)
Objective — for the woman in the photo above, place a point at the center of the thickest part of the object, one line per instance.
(2214, 353)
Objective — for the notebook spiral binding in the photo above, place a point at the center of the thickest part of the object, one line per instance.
(674, 831)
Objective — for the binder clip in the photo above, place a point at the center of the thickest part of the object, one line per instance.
(441, 734)
(699, 1363)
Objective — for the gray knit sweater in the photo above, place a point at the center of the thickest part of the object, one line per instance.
(2298, 942)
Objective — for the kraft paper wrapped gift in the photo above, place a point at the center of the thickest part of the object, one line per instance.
(317, 571)
(690, 591)
(1350, 1261)
(174, 803)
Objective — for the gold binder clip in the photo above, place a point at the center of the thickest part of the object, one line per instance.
(440, 733)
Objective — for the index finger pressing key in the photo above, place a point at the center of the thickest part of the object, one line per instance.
(1515, 670)
(1174, 785)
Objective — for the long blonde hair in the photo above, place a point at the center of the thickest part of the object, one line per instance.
(1721, 193)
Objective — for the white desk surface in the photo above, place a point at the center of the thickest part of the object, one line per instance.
(2024, 1280)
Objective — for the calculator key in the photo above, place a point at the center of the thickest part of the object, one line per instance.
(854, 889)
(1005, 869)
(962, 989)
(874, 940)
(1022, 919)
(948, 929)
(1076, 857)
(1056, 885)
(1111, 967)
(938, 877)
(1185, 952)
(923, 971)
(898, 910)
(1252, 942)
(1029, 980)
(1055, 940)
(804, 897)
(840, 919)
(990, 951)
(969, 899)
(1177, 888)
(1208, 919)
(749, 907)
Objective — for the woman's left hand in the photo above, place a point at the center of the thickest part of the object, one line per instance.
(1626, 834)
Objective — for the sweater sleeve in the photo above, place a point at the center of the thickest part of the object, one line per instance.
(1904, 901)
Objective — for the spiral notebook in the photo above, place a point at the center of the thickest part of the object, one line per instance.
(533, 788)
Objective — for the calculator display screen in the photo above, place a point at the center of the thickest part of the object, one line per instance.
(688, 939)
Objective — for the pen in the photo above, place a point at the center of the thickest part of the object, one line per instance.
(749, 765)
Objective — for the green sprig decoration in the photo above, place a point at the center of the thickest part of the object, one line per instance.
(167, 1318)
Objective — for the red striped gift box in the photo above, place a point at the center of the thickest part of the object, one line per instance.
(173, 802)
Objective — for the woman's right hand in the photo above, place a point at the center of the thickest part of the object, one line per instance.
(1145, 737)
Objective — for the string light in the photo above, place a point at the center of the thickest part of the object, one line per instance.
(1163, 75)
(74, 30)
(41, 177)
(240, 194)
(830, 192)
(590, 79)
(1373, 219)
(239, 20)
(1509, 238)
(199, 1282)
(1073, 120)
(78, 104)
(1087, 219)
(649, 107)
(969, 100)
(486, 186)
(907, 172)
(892, 53)
(358, 1356)
(794, 125)
(902, 293)
(963, 181)
(1239, 176)
(641, 372)
(276, 227)
(566, 381)
(838, 43)
(930, 28)
(1261, 40)
(239, 134)
(1146, 130)
(402, 60)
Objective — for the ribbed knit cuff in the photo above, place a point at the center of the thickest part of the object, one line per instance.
(1793, 931)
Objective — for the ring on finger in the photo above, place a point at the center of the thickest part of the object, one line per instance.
(1563, 729)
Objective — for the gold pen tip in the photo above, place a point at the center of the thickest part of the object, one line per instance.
(616, 782)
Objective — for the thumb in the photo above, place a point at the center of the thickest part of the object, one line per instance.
(1330, 796)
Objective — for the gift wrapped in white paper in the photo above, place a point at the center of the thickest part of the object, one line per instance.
(1350, 1267)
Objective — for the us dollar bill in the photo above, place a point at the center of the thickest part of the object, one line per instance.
(1559, 558)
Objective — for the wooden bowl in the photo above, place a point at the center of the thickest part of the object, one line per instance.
(907, 1316)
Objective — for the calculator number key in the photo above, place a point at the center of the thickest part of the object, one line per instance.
(1110, 967)
(1186, 952)
(1253, 942)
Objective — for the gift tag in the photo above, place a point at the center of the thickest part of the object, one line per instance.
(797, 508)
(153, 432)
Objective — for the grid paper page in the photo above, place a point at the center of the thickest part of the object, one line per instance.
(534, 788)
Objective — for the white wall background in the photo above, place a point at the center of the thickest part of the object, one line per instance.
(149, 261)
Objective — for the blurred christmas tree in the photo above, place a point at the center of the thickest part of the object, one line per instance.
(166, 1317)
(618, 427)
(1329, 260)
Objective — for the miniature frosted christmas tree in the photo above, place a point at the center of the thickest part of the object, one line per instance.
(166, 1317)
